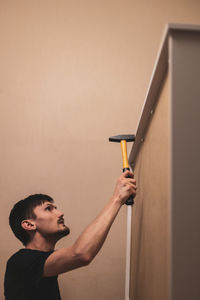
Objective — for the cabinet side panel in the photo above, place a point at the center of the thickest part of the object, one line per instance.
(186, 165)
(150, 223)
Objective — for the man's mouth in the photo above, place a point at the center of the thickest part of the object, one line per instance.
(61, 221)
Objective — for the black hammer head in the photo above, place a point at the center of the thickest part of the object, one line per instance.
(119, 138)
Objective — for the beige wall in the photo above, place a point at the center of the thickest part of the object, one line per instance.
(67, 70)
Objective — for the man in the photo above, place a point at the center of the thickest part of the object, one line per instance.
(31, 273)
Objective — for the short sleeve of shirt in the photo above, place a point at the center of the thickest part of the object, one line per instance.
(31, 264)
(24, 280)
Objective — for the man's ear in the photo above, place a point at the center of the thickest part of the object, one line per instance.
(28, 225)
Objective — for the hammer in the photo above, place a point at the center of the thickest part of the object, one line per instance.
(123, 139)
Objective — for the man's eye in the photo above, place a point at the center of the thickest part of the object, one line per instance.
(48, 208)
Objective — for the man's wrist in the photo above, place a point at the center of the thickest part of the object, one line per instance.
(116, 200)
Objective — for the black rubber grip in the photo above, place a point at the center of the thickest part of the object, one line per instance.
(130, 200)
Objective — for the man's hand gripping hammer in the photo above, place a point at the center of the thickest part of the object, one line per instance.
(123, 139)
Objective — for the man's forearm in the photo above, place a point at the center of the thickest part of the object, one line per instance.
(92, 238)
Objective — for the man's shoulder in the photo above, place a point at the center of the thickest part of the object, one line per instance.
(15, 256)
(24, 256)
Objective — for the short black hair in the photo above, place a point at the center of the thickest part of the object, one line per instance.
(23, 210)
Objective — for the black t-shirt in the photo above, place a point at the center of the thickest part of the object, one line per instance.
(23, 277)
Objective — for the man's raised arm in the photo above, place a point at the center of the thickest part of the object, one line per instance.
(92, 238)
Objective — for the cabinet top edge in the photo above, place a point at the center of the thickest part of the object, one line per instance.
(182, 27)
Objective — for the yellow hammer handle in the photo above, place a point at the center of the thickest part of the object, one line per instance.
(124, 154)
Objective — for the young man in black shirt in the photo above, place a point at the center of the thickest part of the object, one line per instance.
(31, 273)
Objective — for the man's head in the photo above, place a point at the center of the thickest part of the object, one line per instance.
(37, 213)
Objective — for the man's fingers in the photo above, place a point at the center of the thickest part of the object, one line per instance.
(132, 185)
(131, 180)
(126, 186)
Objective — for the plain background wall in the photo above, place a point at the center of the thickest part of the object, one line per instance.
(73, 73)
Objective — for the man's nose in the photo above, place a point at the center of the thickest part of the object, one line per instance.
(60, 214)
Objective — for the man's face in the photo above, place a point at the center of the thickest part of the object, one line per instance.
(50, 221)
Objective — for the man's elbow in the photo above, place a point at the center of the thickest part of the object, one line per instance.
(86, 259)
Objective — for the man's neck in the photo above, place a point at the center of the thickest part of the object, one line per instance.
(41, 244)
